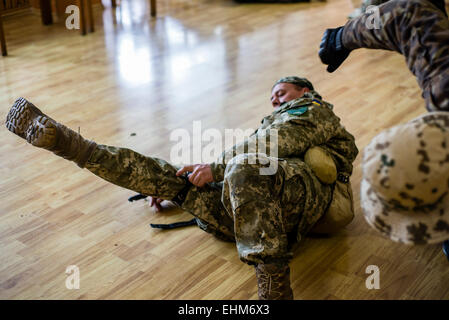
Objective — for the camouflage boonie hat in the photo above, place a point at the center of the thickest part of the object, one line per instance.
(302, 82)
(405, 184)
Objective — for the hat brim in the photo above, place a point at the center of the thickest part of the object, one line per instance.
(405, 227)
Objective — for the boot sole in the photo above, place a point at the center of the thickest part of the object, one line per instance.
(27, 121)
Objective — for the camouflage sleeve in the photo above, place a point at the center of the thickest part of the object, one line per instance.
(295, 135)
(416, 29)
(362, 32)
(218, 169)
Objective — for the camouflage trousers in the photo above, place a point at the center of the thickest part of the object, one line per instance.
(417, 30)
(261, 213)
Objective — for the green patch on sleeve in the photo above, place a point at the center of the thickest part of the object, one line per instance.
(297, 112)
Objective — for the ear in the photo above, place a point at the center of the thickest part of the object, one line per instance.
(304, 90)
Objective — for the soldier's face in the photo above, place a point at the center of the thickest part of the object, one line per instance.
(285, 92)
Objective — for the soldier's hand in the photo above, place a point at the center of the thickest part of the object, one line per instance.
(200, 175)
(332, 51)
(156, 203)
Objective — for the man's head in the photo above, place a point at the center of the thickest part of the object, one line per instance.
(289, 88)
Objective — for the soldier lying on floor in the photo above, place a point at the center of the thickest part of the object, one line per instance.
(229, 197)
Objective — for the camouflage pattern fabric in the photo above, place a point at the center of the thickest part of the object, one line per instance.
(267, 208)
(131, 170)
(157, 178)
(404, 190)
(258, 212)
(420, 32)
(318, 126)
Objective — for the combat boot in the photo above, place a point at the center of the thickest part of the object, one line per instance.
(273, 281)
(27, 121)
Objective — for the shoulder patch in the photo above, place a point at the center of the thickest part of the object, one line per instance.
(298, 111)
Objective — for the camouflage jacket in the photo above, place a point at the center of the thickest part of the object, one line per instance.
(301, 124)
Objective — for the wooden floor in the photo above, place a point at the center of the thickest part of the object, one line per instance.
(213, 61)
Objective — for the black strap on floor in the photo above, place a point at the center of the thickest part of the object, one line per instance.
(137, 197)
(175, 225)
(179, 199)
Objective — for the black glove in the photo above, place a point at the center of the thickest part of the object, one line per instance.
(332, 52)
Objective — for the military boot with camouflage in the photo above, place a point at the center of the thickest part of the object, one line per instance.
(28, 122)
(273, 281)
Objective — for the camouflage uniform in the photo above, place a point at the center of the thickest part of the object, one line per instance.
(258, 212)
(420, 32)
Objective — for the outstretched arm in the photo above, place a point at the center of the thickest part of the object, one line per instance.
(417, 29)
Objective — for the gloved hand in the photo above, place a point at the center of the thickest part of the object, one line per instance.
(332, 52)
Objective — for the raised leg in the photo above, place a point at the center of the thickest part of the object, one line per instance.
(132, 170)
(121, 166)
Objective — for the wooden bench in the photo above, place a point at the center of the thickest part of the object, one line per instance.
(11, 6)
(86, 14)
(6, 7)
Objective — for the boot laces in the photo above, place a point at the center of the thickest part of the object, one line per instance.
(271, 284)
